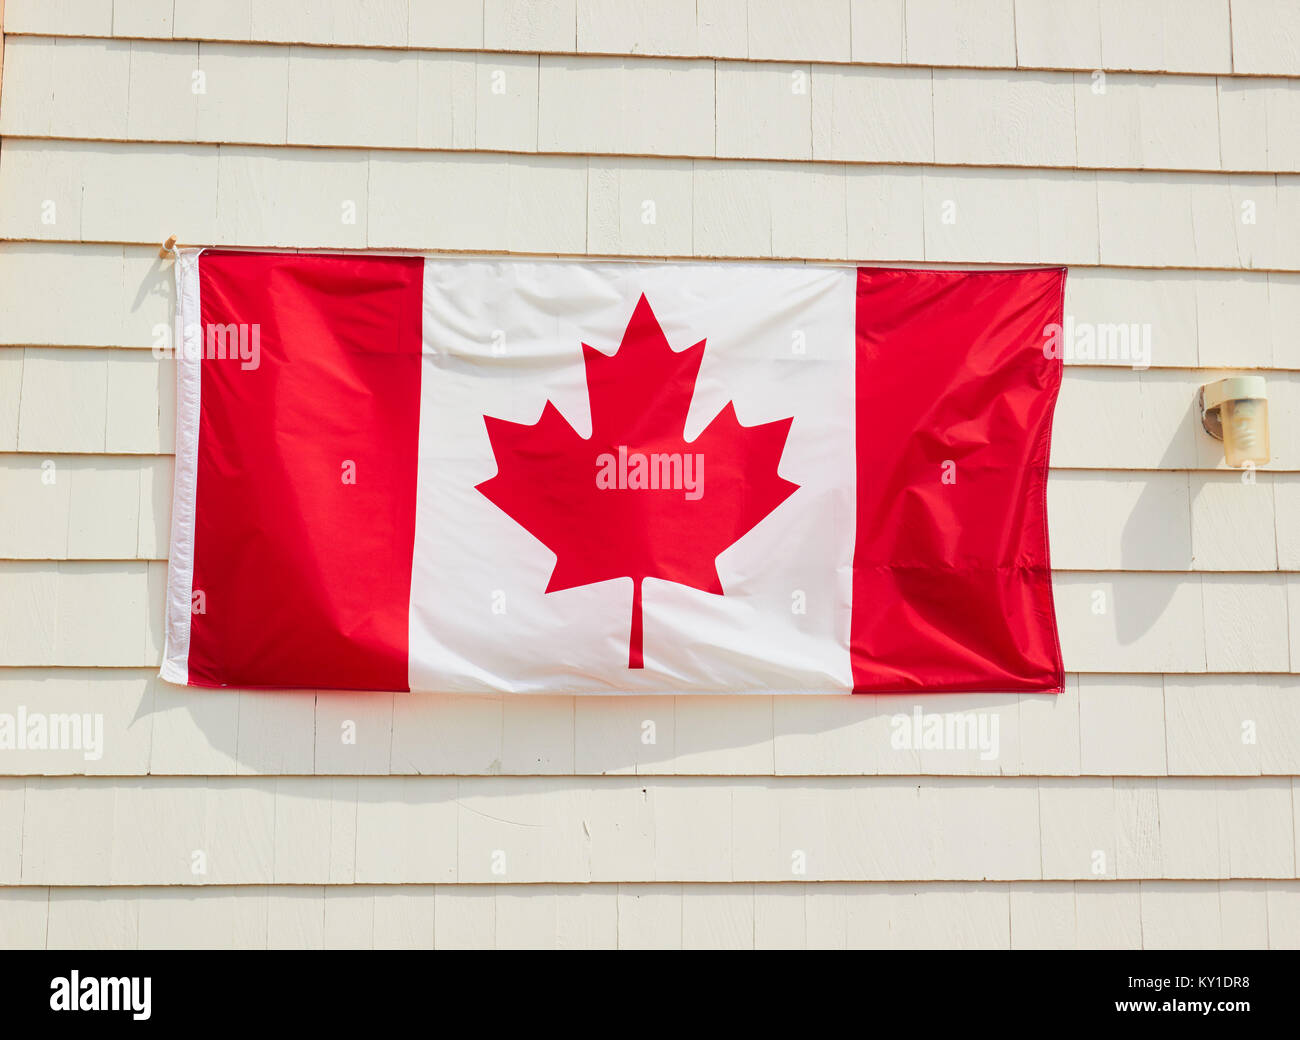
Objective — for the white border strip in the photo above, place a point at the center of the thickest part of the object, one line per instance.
(188, 336)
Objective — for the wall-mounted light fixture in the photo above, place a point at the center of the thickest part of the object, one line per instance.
(1235, 411)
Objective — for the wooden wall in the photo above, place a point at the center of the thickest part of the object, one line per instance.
(1153, 146)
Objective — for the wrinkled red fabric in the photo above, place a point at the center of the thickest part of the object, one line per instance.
(306, 578)
(952, 585)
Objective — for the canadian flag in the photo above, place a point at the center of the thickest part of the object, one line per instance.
(478, 475)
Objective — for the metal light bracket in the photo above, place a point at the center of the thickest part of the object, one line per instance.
(1235, 388)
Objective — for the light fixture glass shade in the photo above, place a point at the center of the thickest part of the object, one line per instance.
(1245, 432)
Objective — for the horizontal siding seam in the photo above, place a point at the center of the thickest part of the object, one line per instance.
(906, 262)
(649, 56)
(813, 161)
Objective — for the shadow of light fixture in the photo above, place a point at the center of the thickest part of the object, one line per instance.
(1235, 411)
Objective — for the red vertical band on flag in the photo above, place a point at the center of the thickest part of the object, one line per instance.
(308, 443)
(955, 394)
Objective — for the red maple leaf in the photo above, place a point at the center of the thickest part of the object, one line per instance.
(635, 499)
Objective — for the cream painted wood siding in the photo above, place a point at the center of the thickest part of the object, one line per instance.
(1151, 145)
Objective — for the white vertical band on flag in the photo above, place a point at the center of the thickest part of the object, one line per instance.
(779, 345)
(188, 337)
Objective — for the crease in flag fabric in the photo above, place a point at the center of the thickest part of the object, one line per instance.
(547, 476)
